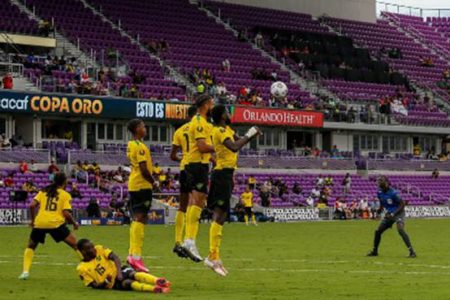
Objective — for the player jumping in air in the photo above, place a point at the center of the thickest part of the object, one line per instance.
(395, 213)
(101, 269)
(247, 202)
(200, 149)
(181, 142)
(226, 145)
(54, 211)
(140, 186)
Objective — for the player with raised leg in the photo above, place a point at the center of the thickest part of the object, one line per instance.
(226, 145)
(200, 149)
(54, 212)
(181, 142)
(101, 269)
(140, 184)
(395, 213)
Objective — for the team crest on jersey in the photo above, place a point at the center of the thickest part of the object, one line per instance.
(200, 129)
(142, 152)
(222, 130)
(389, 201)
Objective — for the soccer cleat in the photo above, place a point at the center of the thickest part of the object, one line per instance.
(372, 253)
(137, 264)
(162, 282)
(412, 254)
(160, 290)
(216, 266)
(179, 250)
(24, 276)
(191, 251)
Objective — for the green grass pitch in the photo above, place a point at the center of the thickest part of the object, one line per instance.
(321, 260)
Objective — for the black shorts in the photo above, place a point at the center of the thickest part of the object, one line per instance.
(221, 189)
(58, 234)
(184, 187)
(248, 211)
(197, 177)
(127, 273)
(388, 222)
(141, 201)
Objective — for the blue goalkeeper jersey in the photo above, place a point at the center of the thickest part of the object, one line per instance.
(390, 200)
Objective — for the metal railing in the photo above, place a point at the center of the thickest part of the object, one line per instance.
(15, 69)
(412, 10)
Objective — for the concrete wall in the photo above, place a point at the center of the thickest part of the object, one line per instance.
(343, 141)
(358, 10)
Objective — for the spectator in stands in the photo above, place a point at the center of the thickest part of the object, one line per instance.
(265, 193)
(226, 65)
(44, 27)
(435, 174)
(2, 182)
(316, 152)
(23, 167)
(335, 152)
(7, 81)
(251, 182)
(339, 210)
(353, 211)
(296, 189)
(156, 170)
(346, 183)
(328, 181)
(417, 151)
(446, 74)
(75, 192)
(374, 208)
(95, 167)
(274, 75)
(29, 187)
(93, 209)
(320, 181)
(118, 176)
(86, 166)
(201, 87)
(53, 168)
(364, 208)
(33, 168)
(395, 53)
(9, 181)
(259, 40)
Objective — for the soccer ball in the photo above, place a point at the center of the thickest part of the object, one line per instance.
(279, 89)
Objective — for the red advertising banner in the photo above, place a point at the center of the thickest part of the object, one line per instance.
(280, 117)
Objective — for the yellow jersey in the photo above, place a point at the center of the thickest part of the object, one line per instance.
(251, 180)
(157, 170)
(181, 139)
(247, 199)
(50, 213)
(138, 152)
(199, 128)
(225, 158)
(98, 269)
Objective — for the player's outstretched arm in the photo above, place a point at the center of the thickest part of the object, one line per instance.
(146, 172)
(203, 147)
(238, 144)
(69, 219)
(112, 256)
(99, 286)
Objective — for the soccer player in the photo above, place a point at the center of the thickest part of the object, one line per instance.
(395, 213)
(226, 145)
(181, 142)
(140, 184)
(199, 156)
(247, 201)
(101, 269)
(54, 212)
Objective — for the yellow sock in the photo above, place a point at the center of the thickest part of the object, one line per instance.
(142, 287)
(215, 237)
(187, 226)
(192, 219)
(246, 219)
(145, 277)
(253, 219)
(131, 249)
(136, 238)
(179, 226)
(27, 259)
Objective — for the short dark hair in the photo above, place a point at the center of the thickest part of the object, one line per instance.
(81, 243)
(201, 99)
(192, 110)
(133, 124)
(217, 113)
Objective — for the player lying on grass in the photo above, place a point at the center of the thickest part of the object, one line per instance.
(54, 212)
(101, 269)
(395, 213)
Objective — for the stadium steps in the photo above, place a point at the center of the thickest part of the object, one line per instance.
(311, 86)
(174, 74)
(63, 45)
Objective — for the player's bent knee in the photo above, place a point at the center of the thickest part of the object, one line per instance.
(126, 284)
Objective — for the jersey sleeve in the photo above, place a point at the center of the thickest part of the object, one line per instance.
(396, 197)
(66, 201)
(224, 135)
(140, 154)
(39, 197)
(84, 275)
(176, 138)
(105, 252)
